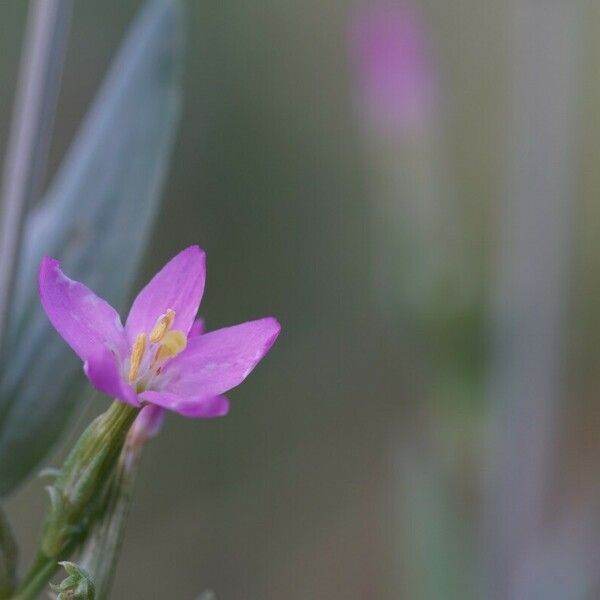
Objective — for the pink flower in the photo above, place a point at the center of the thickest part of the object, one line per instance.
(160, 359)
(393, 65)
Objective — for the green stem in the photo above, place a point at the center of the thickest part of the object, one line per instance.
(40, 574)
(76, 493)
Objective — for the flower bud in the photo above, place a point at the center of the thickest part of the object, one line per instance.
(393, 66)
(147, 424)
(77, 586)
(79, 487)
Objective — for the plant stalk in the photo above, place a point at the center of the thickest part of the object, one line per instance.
(27, 151)
(77, 493)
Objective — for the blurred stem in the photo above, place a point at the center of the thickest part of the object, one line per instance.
(39, 575)
(530, 295)
(35, 104)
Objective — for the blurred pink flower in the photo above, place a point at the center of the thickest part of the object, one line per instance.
(393, 65)
(160, 359)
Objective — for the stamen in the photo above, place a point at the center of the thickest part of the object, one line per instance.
(173, 343)
(137, 353)
(163, 324)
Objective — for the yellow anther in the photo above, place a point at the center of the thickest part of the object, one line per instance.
(173, 342)
(163, 325)
(137, 353)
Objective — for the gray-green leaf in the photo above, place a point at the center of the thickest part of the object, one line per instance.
(96, 219)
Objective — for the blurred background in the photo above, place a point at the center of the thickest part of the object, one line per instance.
(411, 187)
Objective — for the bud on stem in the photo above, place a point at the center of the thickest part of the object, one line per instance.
(77, 586)
(84, 476)
(78, 491)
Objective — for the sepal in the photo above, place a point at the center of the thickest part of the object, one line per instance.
(78, 585)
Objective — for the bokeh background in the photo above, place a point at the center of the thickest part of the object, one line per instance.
(412, 189)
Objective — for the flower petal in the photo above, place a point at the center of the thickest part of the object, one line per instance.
(148, 423)
(103, 371)
(200, 407)
(218, 361)
(197, 328)
(178, 285)
(86, 322)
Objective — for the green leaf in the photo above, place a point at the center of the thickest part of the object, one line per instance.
(96, 219)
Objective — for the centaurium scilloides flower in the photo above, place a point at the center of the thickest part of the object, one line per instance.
(161, 358)
(393, 65)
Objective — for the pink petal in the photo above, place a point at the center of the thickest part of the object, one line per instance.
(103, 371)
(178, 285)
(197, 328)
(148, 423)
(200, 407)
(218, 361)
(86, 322)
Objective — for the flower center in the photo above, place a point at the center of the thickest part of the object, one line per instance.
(150, 353)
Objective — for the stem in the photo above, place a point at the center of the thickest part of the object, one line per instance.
(529, 309)
(40, 573)
(27, 150)
(77, 492)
